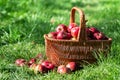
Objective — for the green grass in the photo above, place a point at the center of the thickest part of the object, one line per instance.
(24, 22)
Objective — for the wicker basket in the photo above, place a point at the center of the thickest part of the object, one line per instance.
(80, 50)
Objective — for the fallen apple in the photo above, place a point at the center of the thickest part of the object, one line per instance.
(48, 65)
(40, 68)
(72, 66)
(33, 66)
(33, 60)
(62, 69)
(20, 62)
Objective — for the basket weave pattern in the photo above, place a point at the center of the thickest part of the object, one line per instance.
(80, 50)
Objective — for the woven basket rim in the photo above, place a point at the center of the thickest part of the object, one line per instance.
(64, 40)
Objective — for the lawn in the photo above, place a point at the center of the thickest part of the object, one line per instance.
(24, 22)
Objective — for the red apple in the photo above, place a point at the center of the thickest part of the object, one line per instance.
(72, 25)
(61, 27)
(61, 66)
(52, 35)
(33, 60)
(72, 66)
(99, 36)
(48, 65)
(62, 35)
(62, 69)
(20, 62)
(74, 31)
(40, 68)
(89, 34)
(93, 30)
(69, 36)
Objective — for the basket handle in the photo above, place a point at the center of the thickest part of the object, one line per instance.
(82, 32)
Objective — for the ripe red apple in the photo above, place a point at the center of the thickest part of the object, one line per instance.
(99, 36)
(62, 35)
(52, 35)
(93, 30)
(33, 60)
(61, 27)
(62, 69)
(89, 34)
(69, 36)
(74, 31)
(72, 25)
(20, 62)
(72, 66)
(48, 65)
(40, 68)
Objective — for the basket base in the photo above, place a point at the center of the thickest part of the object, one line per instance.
(58, 61)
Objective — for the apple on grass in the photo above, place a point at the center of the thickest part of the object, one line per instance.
(61, 27)
(32, 60)
(33, 66)
(62, 69)
(48, 65)
(40, 69)
(72, 66)
(20, 62)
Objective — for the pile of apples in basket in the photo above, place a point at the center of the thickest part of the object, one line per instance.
(40, 65)
(71, 33)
